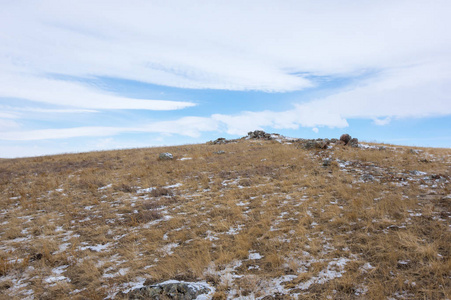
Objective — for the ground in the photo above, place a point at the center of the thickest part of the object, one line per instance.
(248, 219)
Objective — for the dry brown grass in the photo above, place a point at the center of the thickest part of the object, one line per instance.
(262, 217)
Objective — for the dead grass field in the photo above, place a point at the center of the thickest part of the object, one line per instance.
(263, 219)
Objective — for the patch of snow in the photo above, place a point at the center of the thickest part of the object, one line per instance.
(53, 279)
(255, 255)
(185, 158)
(367, 267)
(173, 186)
(169, 247)
(233, 231)
(143, 191)
(334, 269)
(96, 248)
(105, 187)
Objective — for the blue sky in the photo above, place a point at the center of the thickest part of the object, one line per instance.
(97, 75)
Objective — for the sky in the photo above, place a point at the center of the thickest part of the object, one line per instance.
(94, 75)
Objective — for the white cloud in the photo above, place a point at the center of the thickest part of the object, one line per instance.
(232, 45)
(416, 91)
(382, 122)
(7, 125)
(186, 126)
(61, 92)
(315, 130)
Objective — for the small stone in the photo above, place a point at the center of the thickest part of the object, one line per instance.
(165, 156)
(367, 177)
(326, 162)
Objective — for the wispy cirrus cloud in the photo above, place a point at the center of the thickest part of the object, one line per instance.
(271, 46)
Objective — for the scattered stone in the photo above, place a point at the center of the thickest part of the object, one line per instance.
(165, 156)
(345, 138)
(170, 290)
(219, 152)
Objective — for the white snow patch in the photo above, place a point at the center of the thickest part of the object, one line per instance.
(233, 231)
(334, 269)
(169, 247)
(96, 248)
(255, 255)
(143, 191)
(58, 277)
(173, 186)
(105, 187)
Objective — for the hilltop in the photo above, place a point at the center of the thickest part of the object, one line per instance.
(264, 217)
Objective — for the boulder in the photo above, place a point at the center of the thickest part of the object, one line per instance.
(171, 290)
(219, 152)
(165, 156)
(345, 138)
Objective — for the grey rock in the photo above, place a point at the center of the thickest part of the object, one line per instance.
(176, 290)
(220, 141)
(259, 134)
(165, 156)
(219, 152)
(367, 177)
(326, 162)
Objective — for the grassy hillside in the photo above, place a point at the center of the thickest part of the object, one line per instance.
(262, 219)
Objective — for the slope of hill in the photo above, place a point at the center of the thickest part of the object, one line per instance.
(252, 218)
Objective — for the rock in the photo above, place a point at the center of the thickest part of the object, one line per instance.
(345, 138)
(165, 156)
(220, 141)
(259, 134)
(315, 144)
(354, 142)
(324, 143)
(170, 290)
(326, 162)
(310, 145)
(219, 152)
(367, 177)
